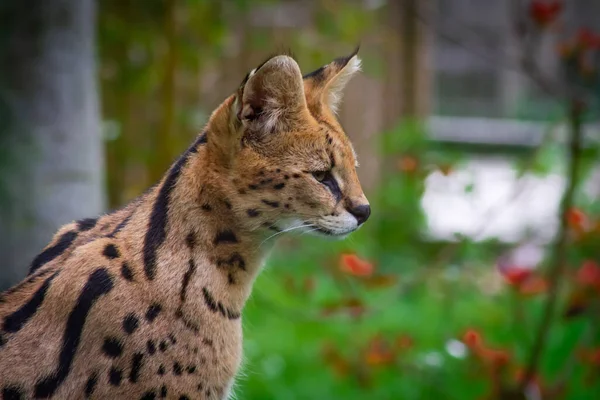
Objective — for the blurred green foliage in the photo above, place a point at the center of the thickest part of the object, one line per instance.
(439, 291)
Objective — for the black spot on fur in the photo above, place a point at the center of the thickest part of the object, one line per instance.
(270, 203)
(172, 338)
(177, 370)
(161, 370)
(296, 176)
(163, 391)
(217, 307)
(208, 392)
(151, 347)
(121, 225)
(252, 212)
(208, 299)
(12, 393)
(286, 177)
(130, 323)
(99, 283)
(153, 312)
(112, 347)
(232, 314)
(279, 186)
(163, 346)
(51, 253)
(157, 225)
(225, 236)
(200, 387)
(191, 369)
(126, 272)
(15, 321)
(151, 395)
(206, 207)
(115, 376)
(208, 342)
(227, 204)
(242, 191)
(111, 251)
(184, 397)
(252, 186)
(86, 224)
(235, 260)
(136, 366)
(90, 385)
(287, 206)
(230, 279)
(187, 323)
(186, 279)
(190, 240)
(2, 340)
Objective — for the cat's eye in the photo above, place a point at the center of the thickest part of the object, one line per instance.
(320, 175)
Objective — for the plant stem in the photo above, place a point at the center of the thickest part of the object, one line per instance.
(559, 260)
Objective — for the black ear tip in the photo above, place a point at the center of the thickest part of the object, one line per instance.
(356, 49)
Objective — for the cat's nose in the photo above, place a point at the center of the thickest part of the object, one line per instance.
(361, 212)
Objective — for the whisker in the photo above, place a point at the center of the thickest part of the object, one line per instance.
(287, 230)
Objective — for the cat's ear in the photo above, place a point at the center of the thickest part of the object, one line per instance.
(272, 96)
(324, 86)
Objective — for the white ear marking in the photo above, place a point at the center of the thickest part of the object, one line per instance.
(336, 86)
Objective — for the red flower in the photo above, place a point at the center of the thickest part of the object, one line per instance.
(543, 13)
(515, 275)
(353, 265)
(587, 39)
(588, 274)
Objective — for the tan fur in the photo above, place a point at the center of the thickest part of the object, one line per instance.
(251, 180)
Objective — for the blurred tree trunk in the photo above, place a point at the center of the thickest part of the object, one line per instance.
(166, 135)
(408, 61)
(51, 151)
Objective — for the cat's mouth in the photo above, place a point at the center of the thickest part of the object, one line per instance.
(320, 231)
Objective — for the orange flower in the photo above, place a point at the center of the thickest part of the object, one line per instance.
(589, 274)
(472, 338)
(576, 219)
(534, 285)
(353, 265)
(378, 352)
(408, 164)
(543, 13)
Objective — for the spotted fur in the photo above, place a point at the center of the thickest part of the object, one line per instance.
(146, 302)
